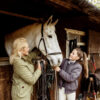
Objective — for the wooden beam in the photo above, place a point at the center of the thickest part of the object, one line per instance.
(81, 44)
(61, 3)
(76, 32)
(21, 16)
(66, 4)
(4, 58)
(4, 61)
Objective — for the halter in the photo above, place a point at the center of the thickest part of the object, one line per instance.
(42, 39)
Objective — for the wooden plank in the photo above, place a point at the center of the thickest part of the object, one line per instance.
(76, 32)
(4, 58)
(5, 82)
(94, 42)
(81, 44)
(61, 3)
(65, 4)
(4, 61)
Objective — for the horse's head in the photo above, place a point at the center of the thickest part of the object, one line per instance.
(45, 39)
(48, 44)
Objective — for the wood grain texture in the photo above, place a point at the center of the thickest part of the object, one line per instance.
(94, 42)
(5, 82)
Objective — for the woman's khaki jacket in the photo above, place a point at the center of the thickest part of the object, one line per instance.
(24, 77)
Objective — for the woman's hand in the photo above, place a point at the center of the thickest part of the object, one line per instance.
(57, 69)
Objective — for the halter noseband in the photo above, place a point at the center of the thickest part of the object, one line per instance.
(42, 39)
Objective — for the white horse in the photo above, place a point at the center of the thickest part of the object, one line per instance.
(39, 36)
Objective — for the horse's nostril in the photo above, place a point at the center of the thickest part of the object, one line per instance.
(58, 61)
(55, 62)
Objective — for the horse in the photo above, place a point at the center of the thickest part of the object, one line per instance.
(41, 36)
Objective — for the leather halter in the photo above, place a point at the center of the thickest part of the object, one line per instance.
(42, 39)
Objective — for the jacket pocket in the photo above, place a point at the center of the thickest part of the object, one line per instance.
(23, 90)
(72, 86)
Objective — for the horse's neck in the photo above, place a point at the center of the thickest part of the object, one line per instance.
(31, 35)
(33, 39)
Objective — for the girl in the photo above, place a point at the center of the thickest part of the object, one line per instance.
(24, 76)
(69, 72)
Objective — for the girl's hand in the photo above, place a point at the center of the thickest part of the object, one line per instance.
(38, 65)
(57, 69)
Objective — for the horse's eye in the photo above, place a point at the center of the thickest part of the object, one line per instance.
(50, 36)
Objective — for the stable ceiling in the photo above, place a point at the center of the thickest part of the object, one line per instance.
(62, 9)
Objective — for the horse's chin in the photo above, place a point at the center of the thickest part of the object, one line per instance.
(55, 60)
(53, 65)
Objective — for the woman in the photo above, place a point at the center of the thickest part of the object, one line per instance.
(69, 72)
(24, 75)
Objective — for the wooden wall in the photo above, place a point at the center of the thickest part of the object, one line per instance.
(94, 42)
(5, 79)
(94, 48)
(61, 34)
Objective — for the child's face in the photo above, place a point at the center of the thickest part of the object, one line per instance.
(73, 55)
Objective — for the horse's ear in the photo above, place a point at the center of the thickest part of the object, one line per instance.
(49, 21)
(54, 23)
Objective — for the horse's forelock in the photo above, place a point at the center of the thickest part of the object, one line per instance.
(50, 29)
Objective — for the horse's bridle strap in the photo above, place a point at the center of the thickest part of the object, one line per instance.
(56, 53)
(42, 39)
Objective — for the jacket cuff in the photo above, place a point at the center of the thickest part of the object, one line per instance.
(60, 71)
(39, 71)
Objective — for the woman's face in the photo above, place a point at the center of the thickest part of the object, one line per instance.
(25, 50)
(73, 55)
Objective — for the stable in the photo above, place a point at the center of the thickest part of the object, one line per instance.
(79, 24)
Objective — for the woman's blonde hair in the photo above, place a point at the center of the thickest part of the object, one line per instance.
(18, 44)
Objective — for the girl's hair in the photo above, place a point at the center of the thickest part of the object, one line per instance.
(83, 60)
(18, 45)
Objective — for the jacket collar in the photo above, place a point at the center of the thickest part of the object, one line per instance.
(27, 59)
(71, 62)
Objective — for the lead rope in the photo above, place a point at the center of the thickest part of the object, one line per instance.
(56, 88)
